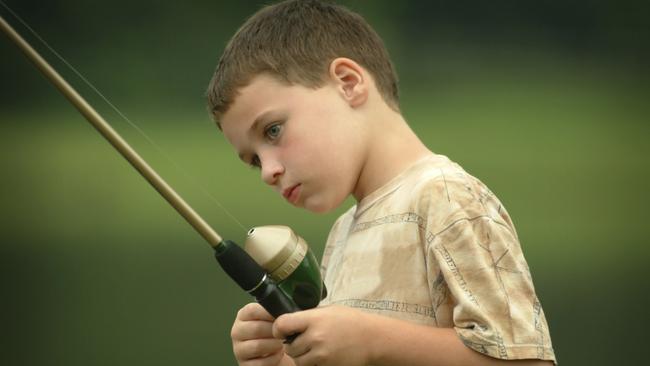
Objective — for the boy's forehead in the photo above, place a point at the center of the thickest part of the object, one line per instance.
(262, 96)
(251, 99)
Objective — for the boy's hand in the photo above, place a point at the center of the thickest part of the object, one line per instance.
(331, 335)
(252, 338)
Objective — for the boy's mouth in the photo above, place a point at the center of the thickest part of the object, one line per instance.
(292, 193)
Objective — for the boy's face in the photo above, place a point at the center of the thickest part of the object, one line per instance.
(308, 143)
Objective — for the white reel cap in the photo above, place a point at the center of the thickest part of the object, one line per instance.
(276, 248)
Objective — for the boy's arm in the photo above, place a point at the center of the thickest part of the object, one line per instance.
(337, 335)
(399, 342)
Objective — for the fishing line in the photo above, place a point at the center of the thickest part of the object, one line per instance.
(125, 118)
(275, 265)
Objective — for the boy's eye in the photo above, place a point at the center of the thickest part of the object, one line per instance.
(273, 131)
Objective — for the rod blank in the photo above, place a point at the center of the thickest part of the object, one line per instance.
(114, 138)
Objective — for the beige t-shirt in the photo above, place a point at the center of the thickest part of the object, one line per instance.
(435, 246)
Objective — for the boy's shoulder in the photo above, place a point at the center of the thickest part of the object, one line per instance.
(446, 194)
(434, 191)
(431, 181)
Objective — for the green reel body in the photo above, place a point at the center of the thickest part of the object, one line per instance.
(287, 259)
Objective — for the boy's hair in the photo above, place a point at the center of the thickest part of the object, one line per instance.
(295, 41)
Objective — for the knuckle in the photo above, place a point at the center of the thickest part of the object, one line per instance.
(318, 337)
(234, 332)
(248, 312)
(245, 310)
(241, 312)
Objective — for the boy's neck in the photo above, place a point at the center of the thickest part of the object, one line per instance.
(392, 148)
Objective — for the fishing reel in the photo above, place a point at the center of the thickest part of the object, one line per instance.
(275, 266)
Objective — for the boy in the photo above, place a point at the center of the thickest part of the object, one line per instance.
(426, 268)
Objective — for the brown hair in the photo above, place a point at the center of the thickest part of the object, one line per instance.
(295, 41)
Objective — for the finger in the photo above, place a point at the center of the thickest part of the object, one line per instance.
(257, 348)
(254, 311)
(309, 358)
(255, 329)
(299, 347)
(252, 329)
(270, 360)
(288, 324)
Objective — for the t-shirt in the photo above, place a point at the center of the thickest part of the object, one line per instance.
(436, 247)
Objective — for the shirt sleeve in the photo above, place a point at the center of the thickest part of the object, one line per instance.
(495, 309)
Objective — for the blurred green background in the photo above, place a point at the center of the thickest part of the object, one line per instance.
(546, 102)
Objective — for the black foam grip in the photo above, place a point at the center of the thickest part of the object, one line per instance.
(276, 302)
(239, 265)
(273, 299)
(250, 277)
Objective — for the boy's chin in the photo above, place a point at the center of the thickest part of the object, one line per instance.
(320, 206)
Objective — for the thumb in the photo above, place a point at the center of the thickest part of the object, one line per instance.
(288, 324)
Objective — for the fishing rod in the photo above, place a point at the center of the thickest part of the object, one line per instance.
(275, 266)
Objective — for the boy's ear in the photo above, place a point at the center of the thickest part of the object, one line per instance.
(350, 80)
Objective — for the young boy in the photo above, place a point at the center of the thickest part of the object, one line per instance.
(426, 268)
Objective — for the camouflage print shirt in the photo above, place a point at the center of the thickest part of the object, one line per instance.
(436, 247)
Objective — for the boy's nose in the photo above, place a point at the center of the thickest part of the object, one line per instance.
(271, 171)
